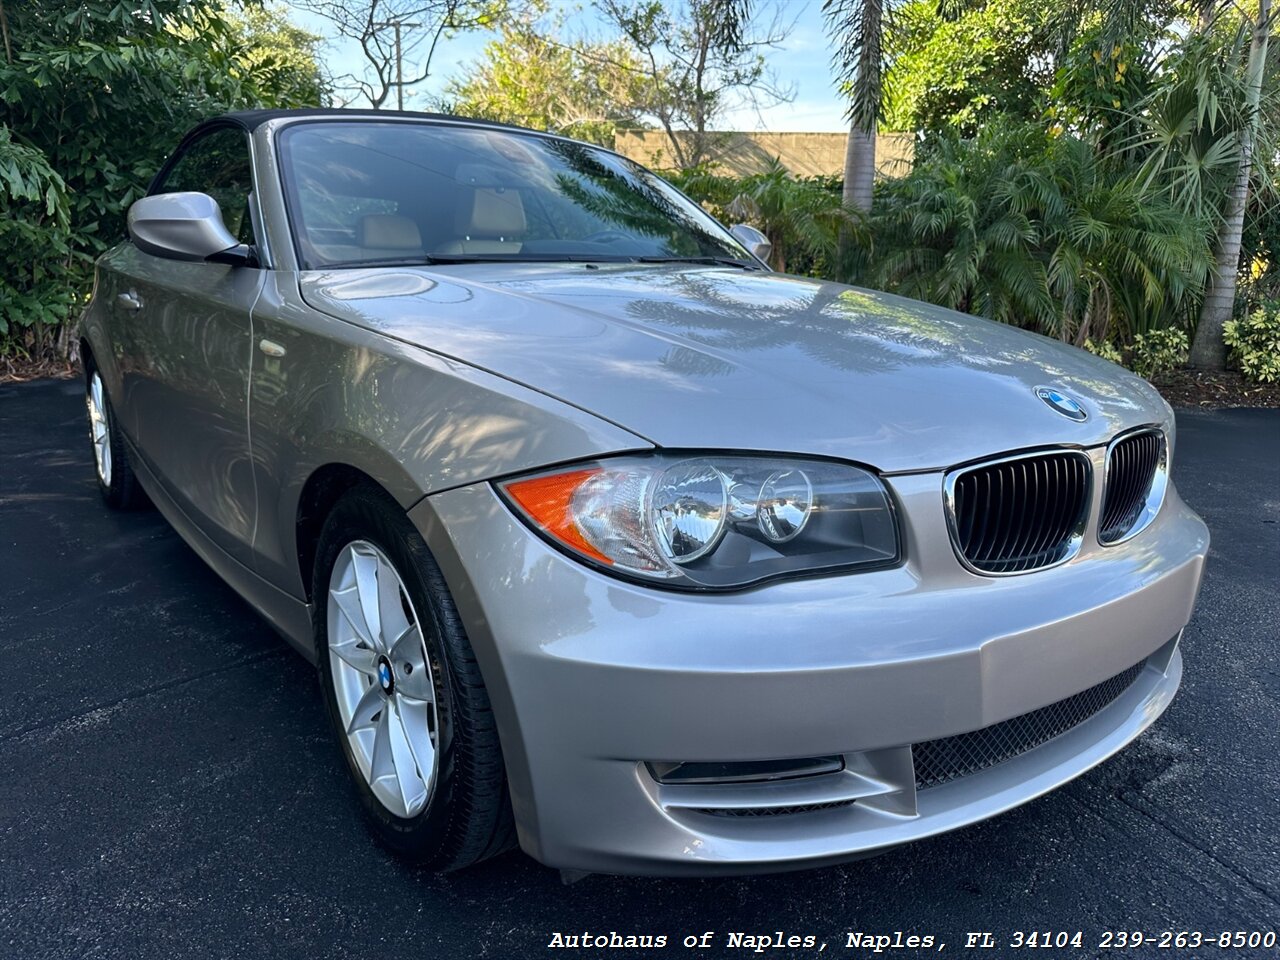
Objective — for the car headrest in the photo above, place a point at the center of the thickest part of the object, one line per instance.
(492, 213)
(388, 231)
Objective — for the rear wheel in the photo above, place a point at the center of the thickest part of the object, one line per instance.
(116, 481)
(403, 690)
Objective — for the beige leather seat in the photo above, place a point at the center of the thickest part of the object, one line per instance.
(378, 236)
(388, 235)
(492, 222)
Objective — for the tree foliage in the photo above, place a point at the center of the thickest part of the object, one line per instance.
(803, 219)
(699, 58)
(533, 75)
(1209, 349)
(95, 93)
(959, 72)
(33, 285)
(1077, 166)
(1036, 230)
(280, 58)
(397, 40)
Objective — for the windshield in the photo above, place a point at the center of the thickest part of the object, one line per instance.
(408, 192)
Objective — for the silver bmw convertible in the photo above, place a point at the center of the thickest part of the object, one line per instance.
(607, 540)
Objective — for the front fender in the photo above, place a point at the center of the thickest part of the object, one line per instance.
(416, 422)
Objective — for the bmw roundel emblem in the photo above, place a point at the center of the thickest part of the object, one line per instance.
(1064, 404)
(384, 675)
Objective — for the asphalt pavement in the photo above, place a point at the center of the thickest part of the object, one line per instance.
(169, 788)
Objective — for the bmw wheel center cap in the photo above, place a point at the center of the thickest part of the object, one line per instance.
(1063, 403)
(385, 678)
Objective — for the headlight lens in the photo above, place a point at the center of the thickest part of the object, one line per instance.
(712, 521)
(688, 506)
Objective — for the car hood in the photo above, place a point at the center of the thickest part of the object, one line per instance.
(722, 358)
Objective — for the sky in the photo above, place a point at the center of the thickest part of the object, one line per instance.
(802, 61)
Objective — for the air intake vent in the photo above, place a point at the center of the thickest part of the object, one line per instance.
(1136, 480)
(752, 812)
(1021, 513)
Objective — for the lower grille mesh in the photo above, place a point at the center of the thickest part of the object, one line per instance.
(940, 761)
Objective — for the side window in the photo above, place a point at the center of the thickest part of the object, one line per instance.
(217, 164)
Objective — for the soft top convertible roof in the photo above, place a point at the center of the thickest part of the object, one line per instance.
(250, 120)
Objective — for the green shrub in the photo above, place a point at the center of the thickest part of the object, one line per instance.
(1157, 352)
(1255, 343)
(1104, 349)
(803, 217)
(1037, 230)
(37, 287)
(93, 95)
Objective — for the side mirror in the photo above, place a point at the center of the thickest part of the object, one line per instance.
(184, 226)
(751, 238)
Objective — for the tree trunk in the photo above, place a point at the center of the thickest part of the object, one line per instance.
(859, 168)
(860, 149)
(1208, 351)
(4, 28)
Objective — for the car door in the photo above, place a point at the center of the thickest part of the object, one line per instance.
(187, 333)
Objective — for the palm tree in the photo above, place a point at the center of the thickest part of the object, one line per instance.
(798, 216)
(1209, 351)
(803, 219)
(858, 26)
(1035, 231)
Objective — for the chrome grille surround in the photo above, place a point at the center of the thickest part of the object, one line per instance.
(1136, 478)
(1020, 513)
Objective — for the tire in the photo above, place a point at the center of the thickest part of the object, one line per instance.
(116, 480)
(466, 814)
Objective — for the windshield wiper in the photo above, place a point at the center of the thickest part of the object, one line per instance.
(709, 261)
(444, 259)
(532, 258)
(418, 261)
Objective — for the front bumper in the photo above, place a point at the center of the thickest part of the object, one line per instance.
(591, 678)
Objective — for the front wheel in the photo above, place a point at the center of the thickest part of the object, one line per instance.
(116, 481)
(403, 690)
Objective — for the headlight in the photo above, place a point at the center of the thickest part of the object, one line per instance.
(712, 522)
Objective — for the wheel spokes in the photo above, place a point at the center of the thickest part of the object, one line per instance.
(99, 429)
(365, 567)
(348, 602)
(360, 658)
(382, 678)
(382, 765)
(409, 781)
(415, 720)
(391, 616)
(413, 680)
(367, 708)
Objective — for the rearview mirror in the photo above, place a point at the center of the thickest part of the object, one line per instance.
(184, 226)
(756, 242)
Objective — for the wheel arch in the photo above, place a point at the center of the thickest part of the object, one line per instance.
(321, 491)
(89, 359)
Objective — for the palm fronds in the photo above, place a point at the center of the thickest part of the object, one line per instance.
(1032, 230)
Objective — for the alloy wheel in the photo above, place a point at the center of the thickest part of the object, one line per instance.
(382, 679)
(99, 427)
